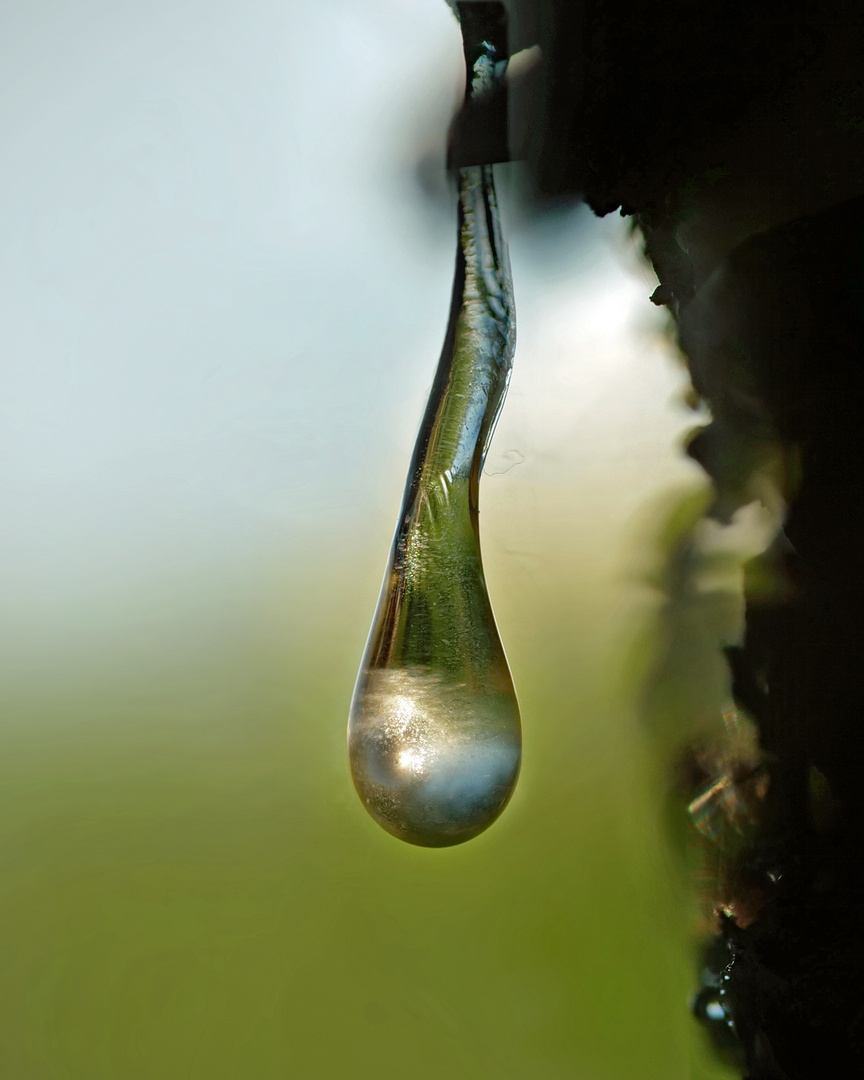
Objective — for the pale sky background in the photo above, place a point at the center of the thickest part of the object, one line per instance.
(223, 294)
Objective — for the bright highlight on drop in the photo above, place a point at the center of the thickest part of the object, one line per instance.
(434, 735)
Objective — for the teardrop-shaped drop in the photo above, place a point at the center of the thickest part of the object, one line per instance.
(434, 733)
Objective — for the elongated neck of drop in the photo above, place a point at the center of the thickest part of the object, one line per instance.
(476, 361)
(485, 336)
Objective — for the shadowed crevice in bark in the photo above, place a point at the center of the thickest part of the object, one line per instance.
(734, 135)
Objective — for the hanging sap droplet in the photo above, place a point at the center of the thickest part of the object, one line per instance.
(434, 734)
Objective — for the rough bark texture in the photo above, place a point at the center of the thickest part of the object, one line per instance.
(734, 134)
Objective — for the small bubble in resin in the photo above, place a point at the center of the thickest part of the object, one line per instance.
(434, 736)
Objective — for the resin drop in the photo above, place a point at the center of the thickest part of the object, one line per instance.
(434, 734)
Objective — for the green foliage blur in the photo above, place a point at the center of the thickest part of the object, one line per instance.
(223, 294)
(191, 889)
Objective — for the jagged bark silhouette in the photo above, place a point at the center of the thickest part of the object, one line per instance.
(734, 134)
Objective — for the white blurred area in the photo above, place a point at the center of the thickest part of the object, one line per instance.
(222, 297)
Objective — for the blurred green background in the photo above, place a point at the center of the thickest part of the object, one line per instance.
(223, 294)
(190, 887)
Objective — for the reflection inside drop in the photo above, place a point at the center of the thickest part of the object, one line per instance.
(434, 736)
(435, 761)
